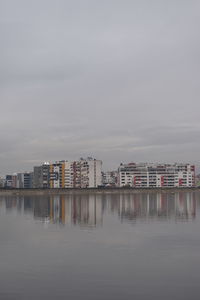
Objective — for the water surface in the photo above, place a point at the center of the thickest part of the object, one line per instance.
(100, 246)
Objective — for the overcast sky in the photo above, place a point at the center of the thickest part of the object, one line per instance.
(118, 80)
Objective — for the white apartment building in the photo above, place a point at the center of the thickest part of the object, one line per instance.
(84, 173)
(56, 175)
(156, 175)
(91, 172)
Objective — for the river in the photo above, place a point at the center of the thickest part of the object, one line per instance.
(100, 246)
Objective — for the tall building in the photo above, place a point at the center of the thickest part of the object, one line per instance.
(84, 173)
(41, 176)
(156, 175)
(28, 180)
(72, 174)
(90, 172)
(57, 174)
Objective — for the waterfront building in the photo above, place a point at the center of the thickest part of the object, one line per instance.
(73, 174)
(14, 181)
(25, 180)
(41, 176)
(145, 175)
(197, 180)
(109, 178)
(84, 173)
(90, 173)
(57, 174)
(2, 182)
(8, 181)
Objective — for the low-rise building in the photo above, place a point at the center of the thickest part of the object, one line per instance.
(109, 178)
(2, 182)
(156, 175)
(8, 181)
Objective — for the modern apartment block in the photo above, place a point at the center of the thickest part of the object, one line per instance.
(83, 173)
(110, 178)
(41, 175)
(90, 172)
(156, 175)
(11, 181)
(25, 180)
(19, 180)
(57, 174)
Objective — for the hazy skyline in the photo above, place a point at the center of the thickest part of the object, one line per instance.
(116, 80)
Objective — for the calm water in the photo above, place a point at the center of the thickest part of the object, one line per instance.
(134, 246)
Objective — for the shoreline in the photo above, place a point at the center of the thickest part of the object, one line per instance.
(77, 191)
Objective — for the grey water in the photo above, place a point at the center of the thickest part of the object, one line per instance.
(100, 246)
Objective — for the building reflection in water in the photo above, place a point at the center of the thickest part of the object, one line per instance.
(87, 210)
(180, 205)
(73, 209)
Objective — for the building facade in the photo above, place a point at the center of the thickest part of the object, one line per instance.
(84, 173)
(2, 182)
(8, 181)
(24, 180)
(57, 175)
(90, 173)
(109, 178)
(19, 180)
(156, 175)
(41, 175)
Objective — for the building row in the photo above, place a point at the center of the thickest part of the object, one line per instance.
(87, 173)
(83, 173)
(19, 180)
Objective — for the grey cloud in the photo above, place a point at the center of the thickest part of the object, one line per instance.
(118, 80)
